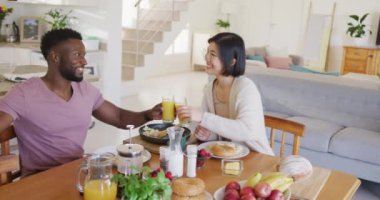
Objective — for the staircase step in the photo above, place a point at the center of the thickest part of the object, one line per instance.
(144, 35)
(127, 73)
(155, 25)
(144, 47)
(130, 59)
(148, 14)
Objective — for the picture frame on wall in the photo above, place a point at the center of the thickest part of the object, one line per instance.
(30, 29)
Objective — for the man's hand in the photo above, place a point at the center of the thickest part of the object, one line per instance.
(154, 113)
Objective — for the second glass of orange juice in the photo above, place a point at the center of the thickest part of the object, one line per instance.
(181, 101)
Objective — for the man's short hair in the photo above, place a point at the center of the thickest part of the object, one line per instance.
(54, 37)
(231, 46)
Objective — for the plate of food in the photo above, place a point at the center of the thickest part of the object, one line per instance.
(236, 190)
(224, 149)
(111, 150)
(157, 133)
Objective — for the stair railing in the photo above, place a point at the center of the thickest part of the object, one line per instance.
(157, 25)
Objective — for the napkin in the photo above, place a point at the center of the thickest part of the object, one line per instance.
(22, 77)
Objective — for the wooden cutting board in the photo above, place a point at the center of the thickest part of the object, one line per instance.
(151, 147)
(310, 188)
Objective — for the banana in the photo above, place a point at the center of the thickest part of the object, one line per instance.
(271, 174)
(253, 180)
(285, 186)
(278, 180)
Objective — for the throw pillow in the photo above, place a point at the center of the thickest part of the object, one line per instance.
(298, 68)
(255, 57)
(278, 62)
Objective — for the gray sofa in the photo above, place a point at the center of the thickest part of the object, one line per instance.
(342, 117)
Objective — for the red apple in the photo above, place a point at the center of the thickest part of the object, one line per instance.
(248, 197)
(232, 185)
(247, 191)
(263, 190)
(276, 195)
(231, 195)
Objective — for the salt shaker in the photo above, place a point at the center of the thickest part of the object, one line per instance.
(191, 160)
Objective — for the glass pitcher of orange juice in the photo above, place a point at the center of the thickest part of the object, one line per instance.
(97, 183)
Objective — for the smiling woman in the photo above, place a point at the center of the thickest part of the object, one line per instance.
(30, 29)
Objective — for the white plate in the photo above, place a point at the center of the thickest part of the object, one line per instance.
(219, 194)
(241, 149)
(208, 196)
(112, 149)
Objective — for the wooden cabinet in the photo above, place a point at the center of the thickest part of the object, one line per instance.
(360, 60)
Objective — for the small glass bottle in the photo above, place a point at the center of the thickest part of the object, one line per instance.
(191, 160)
(175, 154)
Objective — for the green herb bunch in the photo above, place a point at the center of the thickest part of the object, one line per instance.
(223, 24)
(147, 185)
(57, 19)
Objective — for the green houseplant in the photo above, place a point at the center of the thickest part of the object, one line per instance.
(223, 24)
(357, 29)
(57, 19)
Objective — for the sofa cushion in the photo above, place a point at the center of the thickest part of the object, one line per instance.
(278, 62)
(356, 143)
(317, 133)
(255, 57)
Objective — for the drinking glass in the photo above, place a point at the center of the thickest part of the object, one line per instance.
(168, 109)
(181, 101)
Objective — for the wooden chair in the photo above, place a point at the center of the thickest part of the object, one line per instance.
(9, 163)
(285, 126)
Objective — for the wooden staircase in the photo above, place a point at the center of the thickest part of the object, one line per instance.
(155, 18)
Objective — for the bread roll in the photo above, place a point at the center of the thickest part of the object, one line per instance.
(223, 150)
(296, 166)
(188, 188)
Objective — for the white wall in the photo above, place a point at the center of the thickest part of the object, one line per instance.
(102, 20)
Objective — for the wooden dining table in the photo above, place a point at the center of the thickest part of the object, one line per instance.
(59, 183)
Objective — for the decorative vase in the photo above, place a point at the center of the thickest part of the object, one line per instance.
(363, 41)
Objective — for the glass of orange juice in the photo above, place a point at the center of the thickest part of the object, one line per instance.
(168, 109)
(100, 189)
(181, 101)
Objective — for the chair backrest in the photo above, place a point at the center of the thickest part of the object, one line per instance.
(9, 163)
(285, 126)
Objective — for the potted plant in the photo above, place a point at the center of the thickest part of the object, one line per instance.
(357, 29)
(57, 19)
(222, 24)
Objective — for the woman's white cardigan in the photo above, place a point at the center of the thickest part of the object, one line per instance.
(246, 117)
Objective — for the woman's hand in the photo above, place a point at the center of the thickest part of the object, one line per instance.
(202, 133)
(183, 112)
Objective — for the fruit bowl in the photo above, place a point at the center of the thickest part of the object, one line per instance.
(202, 156)
(219, 194)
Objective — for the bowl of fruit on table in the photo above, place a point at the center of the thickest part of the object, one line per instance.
(271, 186)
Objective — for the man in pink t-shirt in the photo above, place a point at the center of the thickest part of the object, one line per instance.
(51, 114)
